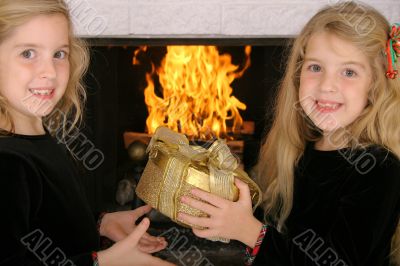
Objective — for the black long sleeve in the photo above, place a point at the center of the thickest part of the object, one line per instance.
(345, 211)
(45, 217)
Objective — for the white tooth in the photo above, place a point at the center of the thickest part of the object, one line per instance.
(41, 92)
(328, 105)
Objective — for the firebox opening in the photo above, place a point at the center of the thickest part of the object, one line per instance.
(116, 102)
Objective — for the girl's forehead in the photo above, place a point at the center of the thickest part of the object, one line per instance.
(334, 52)
(329, 44)
(44, 20)
(41, 29)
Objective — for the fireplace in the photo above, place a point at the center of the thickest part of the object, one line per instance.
(116, 105)
(116, 94)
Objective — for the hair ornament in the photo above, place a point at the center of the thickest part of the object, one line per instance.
(393, 51)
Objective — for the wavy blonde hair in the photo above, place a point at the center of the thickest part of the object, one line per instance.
(378, 123)
(14, 13)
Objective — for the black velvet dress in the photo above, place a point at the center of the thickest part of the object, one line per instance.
(345, 211)
(45, 218)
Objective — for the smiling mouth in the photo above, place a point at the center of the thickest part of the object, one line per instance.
(42, 92)
(327, 107)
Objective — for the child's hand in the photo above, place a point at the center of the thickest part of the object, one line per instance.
(233, 220)
(118, 225)
(127, 253)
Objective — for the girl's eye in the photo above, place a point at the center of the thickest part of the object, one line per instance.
(349, 73)
(60, 55)
(28, 54)
(314, 68)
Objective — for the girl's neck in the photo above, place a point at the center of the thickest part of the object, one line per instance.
(332, 141)
(22, 127)
(34, 130)
(324, 145)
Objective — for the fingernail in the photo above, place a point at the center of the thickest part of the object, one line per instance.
(144, 222)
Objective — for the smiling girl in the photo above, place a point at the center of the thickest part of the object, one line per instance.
(45, 217)
(330, 165)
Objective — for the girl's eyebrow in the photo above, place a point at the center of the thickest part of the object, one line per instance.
(33, 45)
(355, 63)
(311, 59)
(344, 63)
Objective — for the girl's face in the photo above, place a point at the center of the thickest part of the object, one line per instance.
(34, 66)
(334, 82)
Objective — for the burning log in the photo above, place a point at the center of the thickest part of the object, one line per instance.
(236, 146)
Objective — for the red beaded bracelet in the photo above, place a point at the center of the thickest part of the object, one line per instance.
(252, 253)
(95, 260)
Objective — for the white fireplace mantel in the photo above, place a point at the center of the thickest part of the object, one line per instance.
(202, 18)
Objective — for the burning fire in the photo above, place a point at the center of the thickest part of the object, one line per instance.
(197, 95)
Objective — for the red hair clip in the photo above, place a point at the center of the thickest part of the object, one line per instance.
(393, 51)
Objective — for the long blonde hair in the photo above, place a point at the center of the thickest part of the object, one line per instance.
(14, 13)
(291, 130)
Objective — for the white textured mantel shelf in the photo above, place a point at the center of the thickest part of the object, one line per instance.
(202, 18)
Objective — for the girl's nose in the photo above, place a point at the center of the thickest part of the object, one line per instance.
(328, 83)
(48, 69)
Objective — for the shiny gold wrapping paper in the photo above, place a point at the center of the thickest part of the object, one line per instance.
(175, 167)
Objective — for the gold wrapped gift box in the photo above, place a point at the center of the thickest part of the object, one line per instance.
(175, 167)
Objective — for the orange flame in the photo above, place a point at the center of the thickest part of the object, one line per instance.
(196, 92)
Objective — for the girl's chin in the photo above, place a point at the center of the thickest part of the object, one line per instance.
(328, 131)
(41, 113)
(328, 127)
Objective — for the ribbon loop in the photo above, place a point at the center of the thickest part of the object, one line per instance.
(216, 157)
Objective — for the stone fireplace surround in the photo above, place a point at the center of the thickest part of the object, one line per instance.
(202, 18)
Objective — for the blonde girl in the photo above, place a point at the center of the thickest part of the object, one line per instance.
(46, 219)
(329, 167)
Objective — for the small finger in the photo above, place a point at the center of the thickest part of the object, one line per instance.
(148, 242)
(153, 241)
(151, 247)
(139, 231)
(154, 238)
(208, 197)
(244, 190)
(199, 221)
(204, 233)
(138, 212)
(202, 206)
